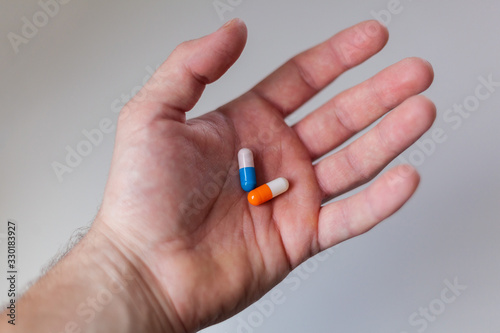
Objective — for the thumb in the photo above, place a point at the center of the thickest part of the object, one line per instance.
(177, 85)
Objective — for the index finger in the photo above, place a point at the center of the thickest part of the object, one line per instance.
(300, 78)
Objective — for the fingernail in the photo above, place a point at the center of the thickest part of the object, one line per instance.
(230, 22)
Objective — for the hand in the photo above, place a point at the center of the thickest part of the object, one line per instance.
(173, 205)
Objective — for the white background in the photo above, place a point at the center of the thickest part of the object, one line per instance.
(65, 78)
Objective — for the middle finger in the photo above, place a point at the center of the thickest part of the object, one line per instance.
(356, 108)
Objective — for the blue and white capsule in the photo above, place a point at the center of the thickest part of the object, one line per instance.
(248, 180)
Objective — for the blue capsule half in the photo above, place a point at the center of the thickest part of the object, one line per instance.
(248, 180)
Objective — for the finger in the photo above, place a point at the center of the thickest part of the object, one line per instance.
(179, 82)
(356, 108)
(359, 213)
(363, 159)
(303, 76)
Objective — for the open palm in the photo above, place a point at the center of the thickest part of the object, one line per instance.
(173, 203)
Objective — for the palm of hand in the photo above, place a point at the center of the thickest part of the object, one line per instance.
(237, 250)
(174, 199)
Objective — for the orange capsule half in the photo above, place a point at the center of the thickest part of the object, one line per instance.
(268, 191)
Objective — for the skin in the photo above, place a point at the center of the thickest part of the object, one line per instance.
(176, 231)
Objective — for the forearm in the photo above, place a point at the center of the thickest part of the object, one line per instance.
(93, 289)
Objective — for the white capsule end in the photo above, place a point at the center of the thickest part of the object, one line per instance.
(245, 158)
(278, 186)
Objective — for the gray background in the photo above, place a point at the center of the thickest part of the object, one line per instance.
(66, 77)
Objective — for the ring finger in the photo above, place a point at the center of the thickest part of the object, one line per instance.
(363, 159)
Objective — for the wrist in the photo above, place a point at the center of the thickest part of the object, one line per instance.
(94, 288)
(124, 276)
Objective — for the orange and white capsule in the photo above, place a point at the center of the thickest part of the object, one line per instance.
(268, 191)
